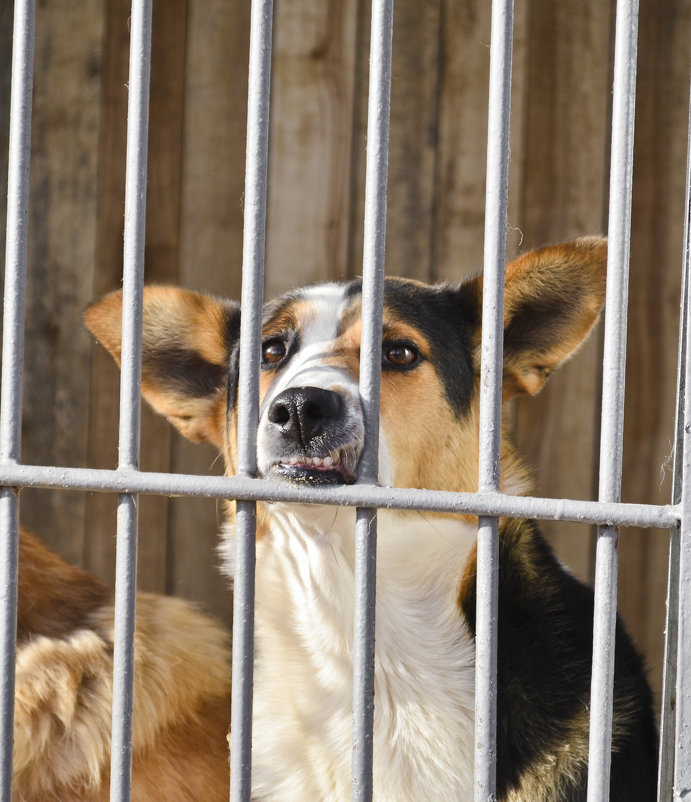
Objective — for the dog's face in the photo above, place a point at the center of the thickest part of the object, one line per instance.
(311, 423)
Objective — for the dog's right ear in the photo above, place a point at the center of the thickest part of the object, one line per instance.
(187, 340)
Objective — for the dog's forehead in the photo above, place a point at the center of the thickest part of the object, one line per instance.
(316, 311)
(326, 310)
(318, 307)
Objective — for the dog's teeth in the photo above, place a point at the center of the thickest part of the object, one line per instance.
(333, 460)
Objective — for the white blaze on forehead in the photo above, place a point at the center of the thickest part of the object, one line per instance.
(326, 303)
(318, 328)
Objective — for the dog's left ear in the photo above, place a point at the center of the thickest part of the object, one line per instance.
(553, 298)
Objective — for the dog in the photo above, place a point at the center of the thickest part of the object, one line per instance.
(63, 691)
(311, 431)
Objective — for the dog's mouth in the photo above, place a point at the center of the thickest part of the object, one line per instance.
(338, 466)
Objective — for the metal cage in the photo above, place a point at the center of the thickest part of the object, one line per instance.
(128, 481)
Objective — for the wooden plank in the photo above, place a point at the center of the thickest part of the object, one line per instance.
(66, 118)
(162, 259)
(461, 158)
(193, 564)
(213, 155)
(416, 76)
(462, 142)
(656, 256)
(436, 206)
(211, 227)
(310, 151)
(6, 22)
(163, 212)
(99, 545)
(563, 195)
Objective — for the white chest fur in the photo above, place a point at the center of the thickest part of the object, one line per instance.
(424, 675)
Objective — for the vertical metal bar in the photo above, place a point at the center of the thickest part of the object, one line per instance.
(12, 359)
(665, 783)
(130, 385)
(681, 760)
(256, 172)
(501, 47)
(614, 367)
(374, 252)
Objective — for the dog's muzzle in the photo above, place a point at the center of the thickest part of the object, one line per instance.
(309, 434)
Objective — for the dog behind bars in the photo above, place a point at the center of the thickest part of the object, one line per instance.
(311, 431)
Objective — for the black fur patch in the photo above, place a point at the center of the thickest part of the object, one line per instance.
(183, 371)
(543, 688)
(538, 323)
(443, 315)
(232, 342)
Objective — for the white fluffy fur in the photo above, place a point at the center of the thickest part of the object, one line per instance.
(424, 676)
(304, 613)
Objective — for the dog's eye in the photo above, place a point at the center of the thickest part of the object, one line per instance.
(400, 355)
(273, 351)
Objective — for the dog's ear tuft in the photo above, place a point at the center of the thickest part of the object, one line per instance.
(553, 298)
(187, 339)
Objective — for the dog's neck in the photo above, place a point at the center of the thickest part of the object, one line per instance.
(309, 552)
(424, 652)
(304, 629)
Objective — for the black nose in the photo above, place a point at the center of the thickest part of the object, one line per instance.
(303, 413)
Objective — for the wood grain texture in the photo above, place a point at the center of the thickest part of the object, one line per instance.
(99, 544)
(563, 194)
(161, 254)
(211, 224)
(462, 148)
(558, 185)
(417, 68)
(213, 147)
(656, 258)
(62, 225)
(311, 143)
(6, 14)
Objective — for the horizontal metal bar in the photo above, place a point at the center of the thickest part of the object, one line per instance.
(246, 489)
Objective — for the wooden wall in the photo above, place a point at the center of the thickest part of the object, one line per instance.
(559, 183)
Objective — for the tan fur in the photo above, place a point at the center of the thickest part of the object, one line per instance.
(195, 323)
(572, 276)
(64, 691)
(434, 450)
(545, 781)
